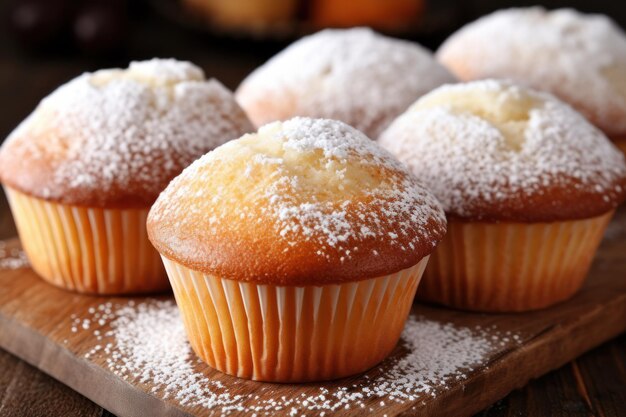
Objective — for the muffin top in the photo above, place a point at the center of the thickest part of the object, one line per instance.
(580, 58)
(494, 151)
(353, 75)
(301, 202)
(115, 138)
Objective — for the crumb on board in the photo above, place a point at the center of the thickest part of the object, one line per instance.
(12, 258)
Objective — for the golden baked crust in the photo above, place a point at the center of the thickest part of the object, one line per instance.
(304, 202)
(354, 75)
(580, 58)
(494, 151)
(115, 138)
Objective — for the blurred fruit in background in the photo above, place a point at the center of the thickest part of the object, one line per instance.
(95, 26)
(272, 15)
(289, 19)
(245, 14)
(37, 23)
(106, 27)
(101, 26)
(389, 14)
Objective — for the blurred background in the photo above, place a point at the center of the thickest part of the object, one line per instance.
(44, 43)
(47, 42)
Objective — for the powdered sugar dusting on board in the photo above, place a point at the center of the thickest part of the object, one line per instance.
(127, 130)
(372, 196)
(12, 257)
(469, 162)
(146, 343)
(579, 57)
(354, 75)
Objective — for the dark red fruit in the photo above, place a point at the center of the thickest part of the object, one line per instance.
(101, 26)
(39, 22)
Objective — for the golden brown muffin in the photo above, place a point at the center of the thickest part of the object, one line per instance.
(309, 236)
(580, 58)
(83, 169)
(353, 75)
(528, 186)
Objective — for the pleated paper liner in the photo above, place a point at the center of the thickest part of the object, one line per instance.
(89, 250)
(508, 267)
(293, 334)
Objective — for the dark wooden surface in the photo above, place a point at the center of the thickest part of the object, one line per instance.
(592, 385)
(544, 340)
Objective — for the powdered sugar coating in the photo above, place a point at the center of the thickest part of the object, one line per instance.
(146, 344)
(120, 134)
(328, 225)
(315, 194)
(354, 75)
(578, 57)
(540, 161)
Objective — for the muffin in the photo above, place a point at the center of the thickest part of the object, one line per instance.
(528, 186)
(82, 171)
(353, 75)
(581, 58)
(295, 252)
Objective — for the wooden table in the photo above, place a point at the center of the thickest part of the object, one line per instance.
(593, 385)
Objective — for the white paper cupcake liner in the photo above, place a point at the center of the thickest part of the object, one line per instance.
(511, 266)
(89, 250)
(289, 334)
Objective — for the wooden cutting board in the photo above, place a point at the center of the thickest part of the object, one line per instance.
(38, 323)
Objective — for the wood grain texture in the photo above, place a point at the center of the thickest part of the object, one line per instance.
(34, 319)
(553, 395)
(592, 385)
(25, 392)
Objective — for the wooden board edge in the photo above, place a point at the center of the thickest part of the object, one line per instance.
(112, 392)
(551, 342)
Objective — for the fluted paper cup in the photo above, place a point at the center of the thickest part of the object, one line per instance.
(293, 334)
(508, 267)
(89, 250)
